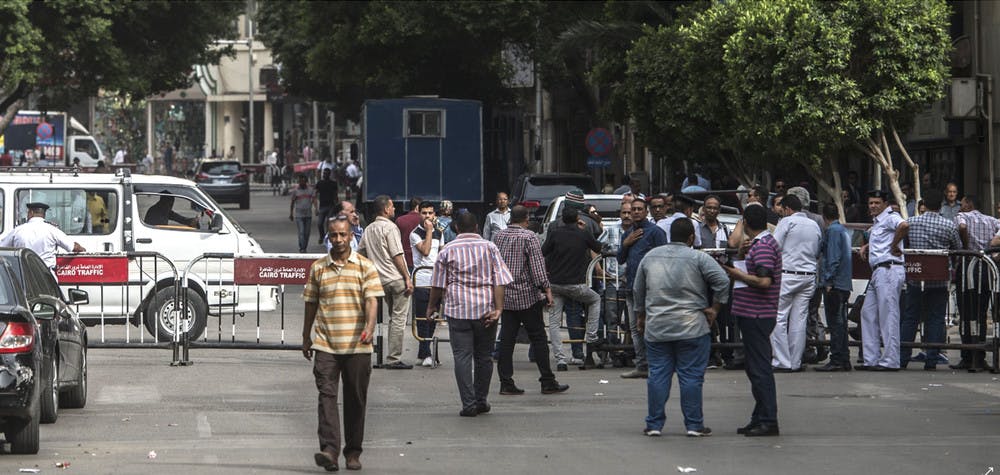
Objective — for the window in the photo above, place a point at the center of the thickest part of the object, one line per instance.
(74, 211)
(171, 211)
(85, 146)
(424, 123)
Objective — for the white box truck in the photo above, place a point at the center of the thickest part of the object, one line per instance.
(44, 139)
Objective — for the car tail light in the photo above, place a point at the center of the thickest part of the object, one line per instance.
(239, 178)
(18, 337)
(201, 177)
(531, 204)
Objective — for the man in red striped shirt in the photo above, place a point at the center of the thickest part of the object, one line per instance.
(755, 306)
(472, 273)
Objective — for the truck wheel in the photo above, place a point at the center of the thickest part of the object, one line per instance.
(76, 397)
(159, 321)
(23, 435)
(245, 201)
(50, 391)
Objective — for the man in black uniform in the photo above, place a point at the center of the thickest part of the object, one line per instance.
(326, 188)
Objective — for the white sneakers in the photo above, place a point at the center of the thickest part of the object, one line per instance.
(428, 362)
(651, 432)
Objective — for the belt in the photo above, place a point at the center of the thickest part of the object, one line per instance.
(797, 272)
(887, 264)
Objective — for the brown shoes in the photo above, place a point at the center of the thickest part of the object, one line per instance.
(327, 461)
(353, 462)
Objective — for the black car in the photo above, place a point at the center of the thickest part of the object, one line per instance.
(225, 181)
(43, 348)
(537, 190)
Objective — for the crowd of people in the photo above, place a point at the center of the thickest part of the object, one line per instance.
(784, 263)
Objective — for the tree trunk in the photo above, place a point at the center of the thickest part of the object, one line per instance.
(913, 166)
(878, 150)
(833, 190)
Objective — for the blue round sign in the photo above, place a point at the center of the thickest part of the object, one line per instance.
(44, 131)
(599, 142)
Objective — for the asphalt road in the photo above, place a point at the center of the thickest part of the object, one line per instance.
(253, 411)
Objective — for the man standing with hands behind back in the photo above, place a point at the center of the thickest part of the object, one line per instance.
(341, 301)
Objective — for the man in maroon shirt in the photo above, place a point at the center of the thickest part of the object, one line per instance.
(407, 223)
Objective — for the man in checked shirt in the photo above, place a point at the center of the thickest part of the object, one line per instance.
(927, 231)
(523, 301)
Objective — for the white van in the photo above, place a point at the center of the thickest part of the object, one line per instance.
(111, 213)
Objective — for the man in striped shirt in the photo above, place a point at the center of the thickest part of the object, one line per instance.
(472, 273)
(755, 306)
(976, 230)
(341, 301)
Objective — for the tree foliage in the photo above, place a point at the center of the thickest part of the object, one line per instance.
(68, 50)
(793, 80)
(345, 52)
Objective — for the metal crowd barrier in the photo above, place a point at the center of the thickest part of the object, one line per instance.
(974, 270)
(434, 340)
(124, 289)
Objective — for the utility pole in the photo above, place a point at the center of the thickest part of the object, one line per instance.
(252, 157)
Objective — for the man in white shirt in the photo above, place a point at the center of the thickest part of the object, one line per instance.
(119, 157)
(798, 238)
(40, 236)
(498, 218)
(426, 240)
(880, 313)
(683, 206)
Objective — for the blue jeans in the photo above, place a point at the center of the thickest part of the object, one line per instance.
(915, 302)
(425, 328)
(689, 358)
(305, 226)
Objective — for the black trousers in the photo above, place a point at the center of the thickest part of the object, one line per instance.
(534, 324)
(355, 372)
(756, 334)
(972, 306)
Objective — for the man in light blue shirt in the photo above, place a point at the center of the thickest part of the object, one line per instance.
(674, 315)
(880, 313)
(835, 284)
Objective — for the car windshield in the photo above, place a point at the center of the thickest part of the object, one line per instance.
(224, 168)
(545, 188)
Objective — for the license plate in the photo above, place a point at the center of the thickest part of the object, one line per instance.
(220, 180)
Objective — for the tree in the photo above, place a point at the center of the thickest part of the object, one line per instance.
(346, 52)
(795, 80)
(65, 51)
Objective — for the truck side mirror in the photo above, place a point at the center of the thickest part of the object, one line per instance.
(216, 224)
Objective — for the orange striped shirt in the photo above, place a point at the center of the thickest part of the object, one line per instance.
(340, 292)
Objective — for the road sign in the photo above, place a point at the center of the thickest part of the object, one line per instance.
(599, 142)
(598, 162)
(44, 131)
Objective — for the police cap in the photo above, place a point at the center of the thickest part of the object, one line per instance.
(38, 206)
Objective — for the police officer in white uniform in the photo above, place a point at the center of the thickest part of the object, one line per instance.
(39, 236)
(799, 238)
(880, 313)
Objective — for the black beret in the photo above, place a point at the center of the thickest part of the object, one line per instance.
(884, 195)
(38, 205)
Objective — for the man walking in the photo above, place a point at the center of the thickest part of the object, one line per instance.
(880, 313)
(673, 283)
(472, 273)
(524, 298)
(798, 237)
(341, 301)
(927, 231)
(326, 191)
(380, 243)
(425, 241)
(976, 229)
(567, 252)
(835, 282)
(301, 210)
(498, 218)
(755, 306)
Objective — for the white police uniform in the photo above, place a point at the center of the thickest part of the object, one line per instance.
(799, 238)
(880, 313)
(39, 236)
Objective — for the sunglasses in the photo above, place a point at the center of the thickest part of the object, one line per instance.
(339, 217)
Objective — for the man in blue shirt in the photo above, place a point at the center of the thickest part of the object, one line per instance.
(635, 244)
(835, 283)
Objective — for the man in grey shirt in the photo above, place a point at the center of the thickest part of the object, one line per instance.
(674, 315)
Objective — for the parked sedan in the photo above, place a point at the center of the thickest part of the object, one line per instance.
(225, 181)
(59, 334)
(20, 362)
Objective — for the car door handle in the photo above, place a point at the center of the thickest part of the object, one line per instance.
(144, 241)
